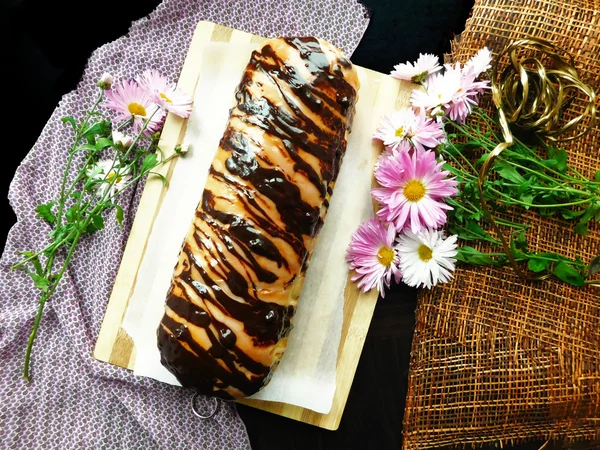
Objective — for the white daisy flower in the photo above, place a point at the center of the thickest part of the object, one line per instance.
(405, 128)
(417, 73)
(481, 62)
(106, 81)
(182, 149)
(121, 139)
(109, 177)
(426, 258)
(442, 88)
(450, 94)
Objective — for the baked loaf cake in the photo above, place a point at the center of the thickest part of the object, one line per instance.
(241, 268)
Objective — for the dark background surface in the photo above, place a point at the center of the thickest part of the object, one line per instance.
(45, 46)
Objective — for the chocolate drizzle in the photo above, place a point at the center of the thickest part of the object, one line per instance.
(249, 242)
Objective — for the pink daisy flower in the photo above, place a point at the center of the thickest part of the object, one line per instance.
(165, 94)
(393, 152)
(413, 191)
(372, 255)
(425, 65)
(426, 258)
(405, 126)
(131, 101)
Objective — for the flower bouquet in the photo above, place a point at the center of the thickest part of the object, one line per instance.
(109, 154)
(442, 183)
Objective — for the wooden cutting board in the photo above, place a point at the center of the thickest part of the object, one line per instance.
(116, 347)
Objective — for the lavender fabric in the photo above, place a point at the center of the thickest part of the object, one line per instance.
(75, 401)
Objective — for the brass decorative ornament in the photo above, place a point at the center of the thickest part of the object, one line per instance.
(531, 93)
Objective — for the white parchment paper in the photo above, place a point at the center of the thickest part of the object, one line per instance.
(307, 372)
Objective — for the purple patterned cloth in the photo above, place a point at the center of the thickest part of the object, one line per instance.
(75, 401)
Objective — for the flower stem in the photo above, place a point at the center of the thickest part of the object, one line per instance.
(534, 205)
(42, 303)
(44, 297)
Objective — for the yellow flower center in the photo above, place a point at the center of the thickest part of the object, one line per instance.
(111, 175)
(136, 109)
(166, 99)
(425, 253)
(400, 131)
(414, 190)
(385, 255)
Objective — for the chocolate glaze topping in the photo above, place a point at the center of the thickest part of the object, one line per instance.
(233, 293)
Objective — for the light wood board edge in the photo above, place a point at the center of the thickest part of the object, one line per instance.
(116, 347)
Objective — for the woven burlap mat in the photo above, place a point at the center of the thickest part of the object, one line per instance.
(499, 360)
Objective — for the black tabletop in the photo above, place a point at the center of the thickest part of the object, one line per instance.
(46, 45)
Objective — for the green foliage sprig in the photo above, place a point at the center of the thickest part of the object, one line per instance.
(102, 163)
(533, 177)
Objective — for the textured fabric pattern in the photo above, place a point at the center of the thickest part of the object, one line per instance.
(75, 401)
(497, 359)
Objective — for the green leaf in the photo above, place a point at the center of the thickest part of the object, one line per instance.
(98, 221)
(58, 233)
(475, 228)
(509, 173)
(560, 156)
(568, 274)
(39, 281)
(520, 242)
(72, 213)
(164, 180)
(450, 168)
(35, 261)
(471, 231)
(150, 162)
(537, 265)
(527, 198)
(572, 213)
(70, 121)
(522, 188)
(594, 265)
(592, 211)
(103, 143)
(582, 229)
(44, 211)
(84, 147)
(91, 228)
(119, 214)
(470, 255)
(101, 128)
(482, 159)
(597, 176)
(89, 184)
